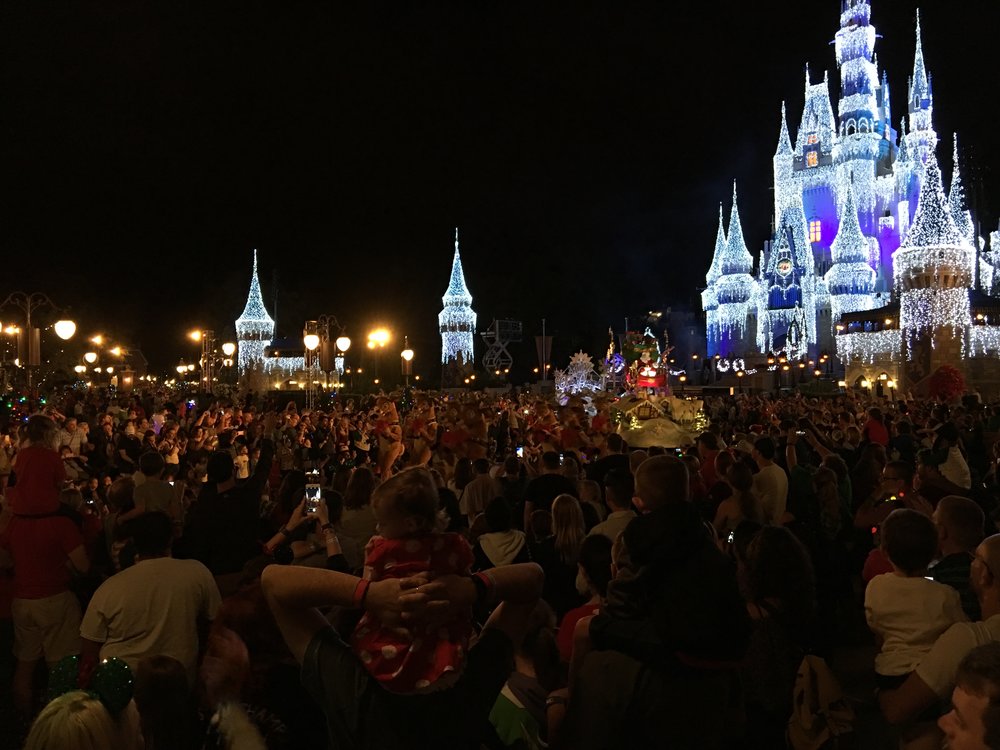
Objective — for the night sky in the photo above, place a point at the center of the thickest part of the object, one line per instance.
(582, 149)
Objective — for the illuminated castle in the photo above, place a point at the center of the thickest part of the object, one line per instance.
(457, 321)
(868, 258)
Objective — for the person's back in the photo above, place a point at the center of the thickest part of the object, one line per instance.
(770, 483)
(39, 470)
(907, 611)
(154, 606)
(677, 581)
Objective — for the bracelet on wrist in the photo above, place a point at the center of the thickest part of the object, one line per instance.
(361, 592)
(327, 526)
(284, 531)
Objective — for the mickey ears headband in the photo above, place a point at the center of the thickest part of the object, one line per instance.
(111, 681)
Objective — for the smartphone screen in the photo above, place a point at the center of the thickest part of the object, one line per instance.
(520, 451)
(313, 495)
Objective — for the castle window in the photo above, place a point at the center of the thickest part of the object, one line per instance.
(812, 139)
(815, 230)
(812, 159)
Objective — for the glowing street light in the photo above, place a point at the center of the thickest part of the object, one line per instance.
(97, 340)
(195, 336)
(116, 351)
(311, 341)
(65, 329)
(90, 357)
(229, 349)
(343, 343)
(407, 356)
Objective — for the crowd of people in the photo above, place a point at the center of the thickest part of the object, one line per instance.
(432, 570)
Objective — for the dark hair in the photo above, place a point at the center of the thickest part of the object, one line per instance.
(621, 485)
(167, 708)
(661, 480)
(909, 539)
(779, 567)
(550, 460)
(220, 467)
(765, 447)
(360, 486)
(39, 428)
(448, 504)
(740, 478)
(463, 473)
(481, 466)
(121, 493)
(979, 674)
(539, 645)
(498, 515)
(511, 466)
(963, 519)
(615, 443)
(904, 469)
(151, 533)
(541, 524)
(151, 463)
(710, 440)
(930, 458)
(334, 505)
(595, 559)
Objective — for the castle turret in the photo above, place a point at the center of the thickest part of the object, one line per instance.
(933, 274)
(254, 327)
(709, 296)
(785, 188)
(920, 103)
(457, 321)
(735, 288)
(851, 279)
(960, 213)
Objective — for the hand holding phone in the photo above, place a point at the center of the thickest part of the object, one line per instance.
(313, 496)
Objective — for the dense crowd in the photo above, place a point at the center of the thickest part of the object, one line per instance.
(426, 570)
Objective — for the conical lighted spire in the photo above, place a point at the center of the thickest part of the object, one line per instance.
(932, 223)
(255, 311)
(458, 292)
(919, 86)
(956, 200)
(850, 245)
(784, 141)
(737, 258)
(715, 270)
(457, 321)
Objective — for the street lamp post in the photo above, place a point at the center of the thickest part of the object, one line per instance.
(407, 357)
(311, 341)
(377, 340)
(29, 303)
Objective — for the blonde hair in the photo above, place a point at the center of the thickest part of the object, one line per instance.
(412, 492)
(568, 527)
(78, 721)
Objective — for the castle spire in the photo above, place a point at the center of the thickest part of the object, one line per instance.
(715, 270)
(956, 200)
(850, 245)
(457, 291)
(255, 311)
(737, 258)
(919, 85)
(784, 141)
(932, 223)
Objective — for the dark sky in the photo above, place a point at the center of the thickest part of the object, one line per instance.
(582, 149)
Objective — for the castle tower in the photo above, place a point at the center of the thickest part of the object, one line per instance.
(859, 144)
(735, 289)
(457, 321)
(785, 187)
(956, 201)
(709, 296)
(851, 280)
(920, 102)
(254, 328)
(933, 272)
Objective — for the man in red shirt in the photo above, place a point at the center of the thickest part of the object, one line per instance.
(46, 614)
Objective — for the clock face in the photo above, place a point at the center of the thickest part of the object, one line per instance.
(784, 267)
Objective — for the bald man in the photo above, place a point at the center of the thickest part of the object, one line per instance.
(934, 679)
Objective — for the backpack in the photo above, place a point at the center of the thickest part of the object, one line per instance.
(821, 714)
